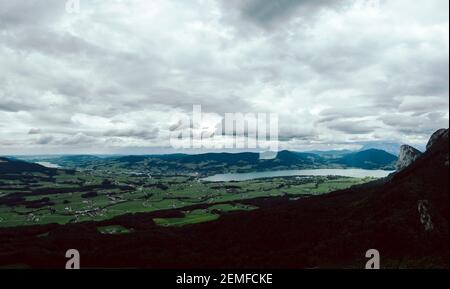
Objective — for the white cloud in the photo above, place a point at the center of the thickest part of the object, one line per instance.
(115, 74)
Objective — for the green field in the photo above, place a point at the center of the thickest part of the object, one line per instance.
(203, 215)
(66, 197)
(192, 217)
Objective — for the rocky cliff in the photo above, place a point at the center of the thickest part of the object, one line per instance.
(407, 156)
(441, 133)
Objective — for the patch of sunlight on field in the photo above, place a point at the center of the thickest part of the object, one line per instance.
(232, 207)
(202, 215)
(113, 230)
(192, 217)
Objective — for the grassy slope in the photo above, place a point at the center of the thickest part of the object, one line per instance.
(80, 196)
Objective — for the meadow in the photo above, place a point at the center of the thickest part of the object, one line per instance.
(36, 198)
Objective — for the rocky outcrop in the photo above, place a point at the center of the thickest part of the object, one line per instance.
(407, 156)
(439, 136)
(423, 206)
(436, 136)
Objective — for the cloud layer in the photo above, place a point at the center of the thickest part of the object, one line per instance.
(114, 76)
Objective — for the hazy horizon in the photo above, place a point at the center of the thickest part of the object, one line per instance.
(167, 151)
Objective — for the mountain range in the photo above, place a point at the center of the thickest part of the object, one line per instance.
(214, 163)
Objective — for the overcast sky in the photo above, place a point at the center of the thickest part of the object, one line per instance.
(112, 77)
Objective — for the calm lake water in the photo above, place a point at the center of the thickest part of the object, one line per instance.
(357, 173)
(48, 165)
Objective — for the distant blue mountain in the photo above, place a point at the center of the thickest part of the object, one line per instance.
(369, 159)
(390, 147)
(331, 154)
(213, 163)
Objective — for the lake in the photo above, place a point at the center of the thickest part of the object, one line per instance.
(48, 165)
(356, 173)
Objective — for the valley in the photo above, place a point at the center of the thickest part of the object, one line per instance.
(38, 190)
(120, 218)
(68, 196)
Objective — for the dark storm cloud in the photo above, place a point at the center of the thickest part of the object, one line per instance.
(11, 106)
(143, 134)
(49, 42)
(44, 140)
(352, 127)
(34, 131)
(29, 13)
(334, 114)
(267, 13)
(414, 124)
(79, 139)
(420, 105)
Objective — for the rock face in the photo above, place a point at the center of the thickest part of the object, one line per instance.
(425, 218)
(407, 156)
(437, 135)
